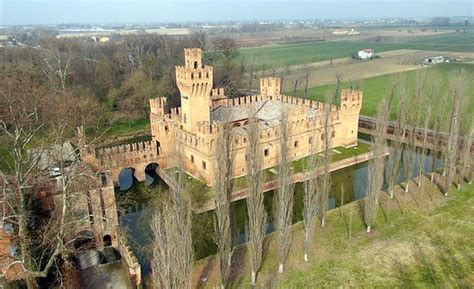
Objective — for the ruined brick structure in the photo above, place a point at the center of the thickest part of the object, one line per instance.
(203, 106)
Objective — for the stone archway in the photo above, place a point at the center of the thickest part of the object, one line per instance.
(151, 175)
(126, 178)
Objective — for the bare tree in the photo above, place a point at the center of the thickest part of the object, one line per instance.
(458, 92)
(376, 166)
(255, 201)
(396, 147)
(223, 184)
(307, 72)
(311, 201)
(171, 224)
(28, 120)
(284, 212)
(466, 155)
(413, 120)
(440, 126)
(429, 97)
(327, 154)
(295, 83)
(57, 57)
(251, 69)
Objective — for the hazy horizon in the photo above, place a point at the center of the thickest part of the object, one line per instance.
(48, 12)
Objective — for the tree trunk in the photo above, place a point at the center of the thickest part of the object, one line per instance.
(254, 278)
(31, 283)
(323, 222)
(406, 186)
(306, 257)
(368, 229)
(280, 268)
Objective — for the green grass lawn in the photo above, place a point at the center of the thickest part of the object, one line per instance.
(127, 126)
(376, 88)
(420, 239)
(291, 54)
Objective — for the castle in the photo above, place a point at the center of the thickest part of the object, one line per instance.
(203, 107)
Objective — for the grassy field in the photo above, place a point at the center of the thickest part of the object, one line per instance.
(420, 239)
(124, 126)
(375, 88)
(291, 54)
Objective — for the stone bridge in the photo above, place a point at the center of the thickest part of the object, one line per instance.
(367, 126)
(140, 157)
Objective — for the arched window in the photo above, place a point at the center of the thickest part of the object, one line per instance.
(195, 64)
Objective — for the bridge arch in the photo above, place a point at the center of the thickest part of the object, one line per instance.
(152, 176)
(126, 178)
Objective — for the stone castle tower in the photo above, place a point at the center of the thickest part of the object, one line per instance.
(195, 82)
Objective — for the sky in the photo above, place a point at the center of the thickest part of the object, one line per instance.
(34, 12)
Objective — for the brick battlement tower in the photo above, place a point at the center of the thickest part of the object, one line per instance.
(195, 82)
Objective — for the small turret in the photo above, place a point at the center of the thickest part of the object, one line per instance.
(270, 86)
(351, 103)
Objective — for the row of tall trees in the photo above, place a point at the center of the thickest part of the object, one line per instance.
(426, 134)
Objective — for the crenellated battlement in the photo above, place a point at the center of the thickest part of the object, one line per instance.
(217, 91)
(351, 95)
(351, 101)
(132, 148)
(158, 106)
(270, 86)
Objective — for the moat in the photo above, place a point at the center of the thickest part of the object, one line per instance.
(348, 184)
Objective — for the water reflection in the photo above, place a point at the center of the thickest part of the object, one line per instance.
(353, 180)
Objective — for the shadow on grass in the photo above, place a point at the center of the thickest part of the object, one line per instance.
(235, 277)
(452, 265)
(206, 270)
(437, 268)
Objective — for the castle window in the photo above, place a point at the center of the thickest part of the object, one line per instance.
(333, 133)
(295, 144)
(200, 76)
(310, 140)
(195, 64)
(184, 118)
(192, 75)
(204, 165)
(192, 159)
(266, 152)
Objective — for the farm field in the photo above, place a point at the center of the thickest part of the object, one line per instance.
(375, 88)
(291, 54)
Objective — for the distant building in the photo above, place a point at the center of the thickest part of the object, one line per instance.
(100, 39)
(366, 53)
(345, 32)
(434, 60)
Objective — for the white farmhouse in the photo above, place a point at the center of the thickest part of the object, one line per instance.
(366, 53)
